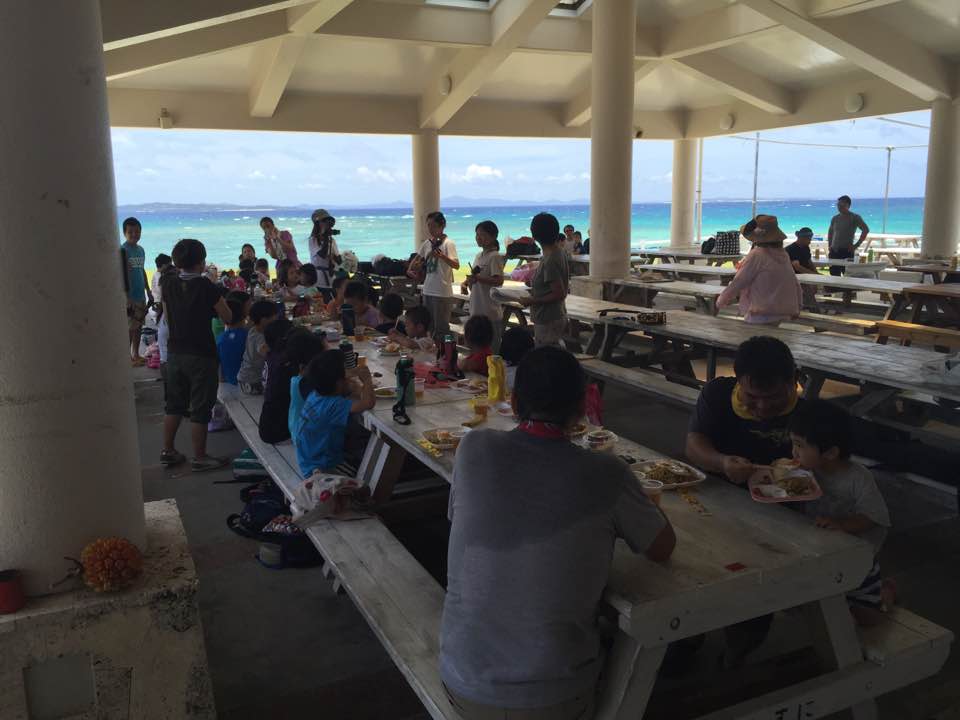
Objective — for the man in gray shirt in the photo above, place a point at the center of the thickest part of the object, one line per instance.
(843, 227)
(534, 522)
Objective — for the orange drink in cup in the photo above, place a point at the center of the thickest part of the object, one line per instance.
(361, 361)
(481, 406)
(653, 489)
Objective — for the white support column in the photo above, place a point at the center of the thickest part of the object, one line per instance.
(426, 180)
(611, 151)
(68, 431)
(683, 208)
(941, 206)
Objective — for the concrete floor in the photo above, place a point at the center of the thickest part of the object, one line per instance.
(281, 645)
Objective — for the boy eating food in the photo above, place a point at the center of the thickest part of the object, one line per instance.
(822, 438)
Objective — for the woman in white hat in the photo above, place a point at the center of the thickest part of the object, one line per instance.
(324, 253)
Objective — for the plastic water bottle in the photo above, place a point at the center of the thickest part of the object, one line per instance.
(406, 391)
(348, 319)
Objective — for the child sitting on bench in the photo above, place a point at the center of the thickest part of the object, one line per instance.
(478, 335)
(416, 331)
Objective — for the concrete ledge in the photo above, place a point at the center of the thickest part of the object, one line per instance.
(135, 654)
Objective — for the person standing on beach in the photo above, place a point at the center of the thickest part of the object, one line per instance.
(438, 257)
(139, 295)
(550, 284)
(278, 244)
(843, 226)
(324, 253)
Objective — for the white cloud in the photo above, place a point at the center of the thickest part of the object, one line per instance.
(147, 172)
(313, 186)
(380, 175)
(523, 177)
(256, 175)
(476, 172)
(121, 138)
(567, 177)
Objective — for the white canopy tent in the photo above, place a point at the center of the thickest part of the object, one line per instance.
(611, 70)
(538, 68)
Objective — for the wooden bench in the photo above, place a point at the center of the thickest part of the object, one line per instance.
(909, 333)
(400, 601)
(644, 381)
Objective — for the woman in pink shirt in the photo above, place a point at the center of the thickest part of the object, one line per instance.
(765, 282)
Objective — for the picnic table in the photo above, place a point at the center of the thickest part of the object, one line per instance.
(735, 560)
(690, 254)
(941, 301)
(879, 368)
(897, 240)
(700, 273)
(854, 267)
(938, 272)
(705, 295)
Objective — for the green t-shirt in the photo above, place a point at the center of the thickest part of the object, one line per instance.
(552, 267)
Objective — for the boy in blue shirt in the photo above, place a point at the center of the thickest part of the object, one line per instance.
(139, 295)
(232, 343)
(320, 429)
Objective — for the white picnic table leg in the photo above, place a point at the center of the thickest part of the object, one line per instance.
(380, 467)
(628, 679)
(836, 641)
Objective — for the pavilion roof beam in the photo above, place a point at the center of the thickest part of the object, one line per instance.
(875, 47)
(738, 81)
(577, 111)
(133, 59)
(128, 23)
(511, 21)
(735, 23)
(274, 62)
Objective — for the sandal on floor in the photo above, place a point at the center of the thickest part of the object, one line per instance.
(137, 362)
(169, 458)
(207, 463)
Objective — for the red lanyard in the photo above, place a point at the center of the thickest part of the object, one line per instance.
(541, 429)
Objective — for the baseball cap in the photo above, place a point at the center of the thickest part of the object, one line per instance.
(804, 232)
(319, 215)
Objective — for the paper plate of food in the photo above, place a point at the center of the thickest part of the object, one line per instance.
(445, 438)
(391, 348)
(577, 431)
(672, 473)
(471, 386)
(783, 481)
(385, 392)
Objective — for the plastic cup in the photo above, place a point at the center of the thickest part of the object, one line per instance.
(481, 406)
(419, 386)
(653, 489)
(361, 361)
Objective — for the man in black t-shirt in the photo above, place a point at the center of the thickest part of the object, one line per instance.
(799, 253)
(190, 300)
(741, 422)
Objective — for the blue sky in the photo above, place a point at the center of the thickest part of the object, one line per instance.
(282, 169)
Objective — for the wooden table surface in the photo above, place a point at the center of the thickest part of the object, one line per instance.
(942, 290)
(686, 269)
(855, 284)
(892, 366)
(786, 560)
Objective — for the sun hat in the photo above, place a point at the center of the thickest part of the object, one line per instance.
(804, 232)
(763, 230)
(319, 215)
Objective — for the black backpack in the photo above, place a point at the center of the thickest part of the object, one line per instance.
(264, 501)
(388, 267)
(708, 245)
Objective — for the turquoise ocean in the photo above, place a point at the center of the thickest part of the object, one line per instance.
(389, 231)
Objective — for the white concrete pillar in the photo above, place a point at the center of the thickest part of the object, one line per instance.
(941, 205)
(69, 458)
(426, 180)
(683, 208)
(611, 147)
